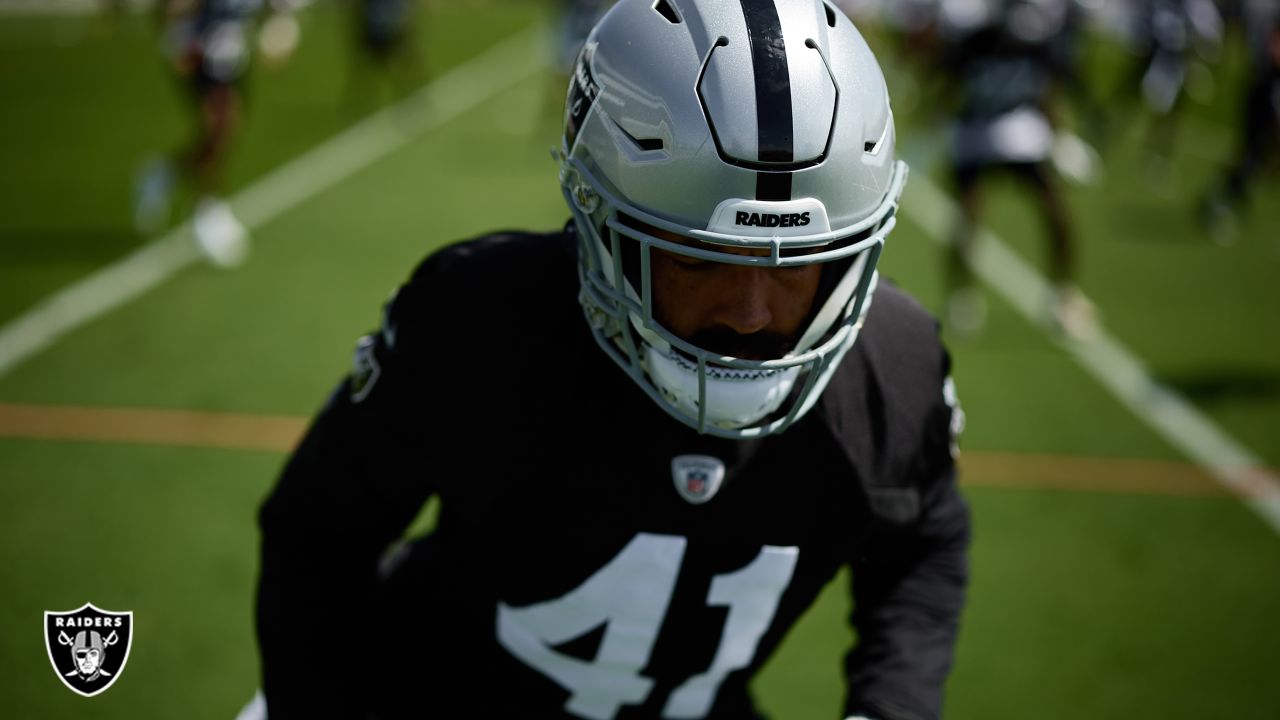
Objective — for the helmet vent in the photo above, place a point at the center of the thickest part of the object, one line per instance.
(831, 14)
(869, 146)
(645, 144)
(665, 10)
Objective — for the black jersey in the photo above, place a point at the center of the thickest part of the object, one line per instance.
(384, 22)
(1001, 72)
(569, 573)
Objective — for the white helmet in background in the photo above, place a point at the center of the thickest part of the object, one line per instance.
(733, 124)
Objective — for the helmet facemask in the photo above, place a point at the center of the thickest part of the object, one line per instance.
(713, 393)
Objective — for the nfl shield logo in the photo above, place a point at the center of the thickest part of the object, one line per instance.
(697, 477)
(88, 647)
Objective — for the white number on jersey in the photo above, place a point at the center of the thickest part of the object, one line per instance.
(630, 596)
(752, 595)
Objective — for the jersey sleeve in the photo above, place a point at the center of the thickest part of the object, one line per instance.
(349, 490)
(909, 585)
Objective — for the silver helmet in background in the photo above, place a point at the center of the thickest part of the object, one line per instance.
(749, 132)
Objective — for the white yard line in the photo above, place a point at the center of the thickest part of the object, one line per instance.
(460, 89)
(1104, 357)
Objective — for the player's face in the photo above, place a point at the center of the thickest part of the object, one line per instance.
(742, 311)
(87, 661)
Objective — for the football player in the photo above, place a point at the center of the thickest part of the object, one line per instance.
(656, 435)
(1260, 122)
(1005, 62)
(1172, 37)
(387, 46)
(209, 46)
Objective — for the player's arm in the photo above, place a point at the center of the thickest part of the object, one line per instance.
(909, 588)
(350, 489)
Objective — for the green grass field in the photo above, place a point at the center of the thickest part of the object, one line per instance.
(1107, 593)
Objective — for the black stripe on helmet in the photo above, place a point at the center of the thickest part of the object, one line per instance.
(773, 81)
(773, 186)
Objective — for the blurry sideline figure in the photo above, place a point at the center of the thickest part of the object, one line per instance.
(1007, 63)
(1260, 121)
(387, 51)
(1174, 38)
(672, 422)
(209, 45)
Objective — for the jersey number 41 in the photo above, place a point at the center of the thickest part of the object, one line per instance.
(631, 594)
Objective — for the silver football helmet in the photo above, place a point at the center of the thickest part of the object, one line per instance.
(754, 132)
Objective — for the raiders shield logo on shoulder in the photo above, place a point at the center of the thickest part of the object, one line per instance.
(697, 477)
(88, 647)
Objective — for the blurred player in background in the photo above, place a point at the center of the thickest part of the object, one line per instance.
(655, 435)
(386, 48)
(1173, 38)
(209, 47)
(1005, 60)
(1259, 139)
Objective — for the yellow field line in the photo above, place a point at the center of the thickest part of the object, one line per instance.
(184, 428)
(280, 433)
(1087, 474)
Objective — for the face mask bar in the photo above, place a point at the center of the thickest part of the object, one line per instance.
(641, 309)
(614, 310)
